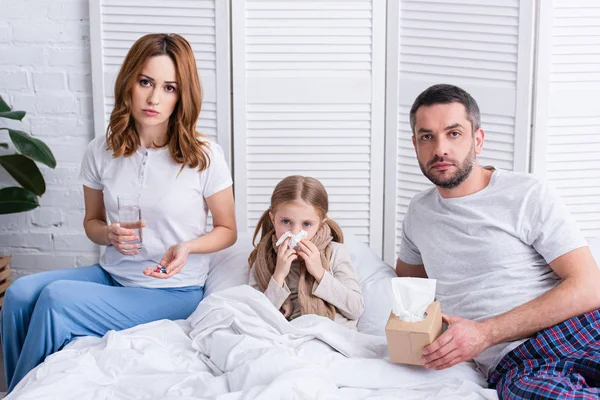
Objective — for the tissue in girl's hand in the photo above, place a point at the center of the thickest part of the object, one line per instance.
(412, 296)
(295, 239)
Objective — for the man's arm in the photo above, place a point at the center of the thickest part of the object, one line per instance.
(577, 294)
(405, 270)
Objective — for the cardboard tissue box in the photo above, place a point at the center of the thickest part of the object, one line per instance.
(415, 321)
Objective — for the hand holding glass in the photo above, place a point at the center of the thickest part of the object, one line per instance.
(130, 216)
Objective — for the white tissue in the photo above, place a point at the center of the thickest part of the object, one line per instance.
(295, 239)
(412, 296)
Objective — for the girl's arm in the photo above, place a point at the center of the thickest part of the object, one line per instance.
(340, 286)
(276, 293)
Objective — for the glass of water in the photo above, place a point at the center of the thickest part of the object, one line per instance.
(130, 215)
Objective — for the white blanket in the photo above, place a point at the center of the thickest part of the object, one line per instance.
(236, 345)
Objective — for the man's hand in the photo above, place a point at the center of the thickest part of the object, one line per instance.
(463, 340)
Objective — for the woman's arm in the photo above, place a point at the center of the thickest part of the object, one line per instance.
(94, 221)
(224, 233)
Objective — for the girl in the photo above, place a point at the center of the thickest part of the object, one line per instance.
(153, 150)
(314, 277)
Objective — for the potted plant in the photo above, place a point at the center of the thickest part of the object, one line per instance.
(22, 167)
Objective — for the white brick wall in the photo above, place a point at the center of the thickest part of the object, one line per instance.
(45, 71)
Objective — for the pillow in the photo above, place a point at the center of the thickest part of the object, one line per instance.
(229, 267)
(374, 276)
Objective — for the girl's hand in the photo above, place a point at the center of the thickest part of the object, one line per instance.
(312, 258)
(173, 261)
(285, 257)
(119, 237)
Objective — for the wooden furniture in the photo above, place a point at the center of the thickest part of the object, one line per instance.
(4, 276)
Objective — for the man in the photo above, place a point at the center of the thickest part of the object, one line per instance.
(515, 277)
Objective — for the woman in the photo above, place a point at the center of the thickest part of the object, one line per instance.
(153, 152)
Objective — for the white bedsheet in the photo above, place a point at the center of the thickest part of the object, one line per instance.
(237, 346)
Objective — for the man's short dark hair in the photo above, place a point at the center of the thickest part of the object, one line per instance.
(445, 94)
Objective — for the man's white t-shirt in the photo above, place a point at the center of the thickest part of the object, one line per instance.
(490, 251)
(171, 202)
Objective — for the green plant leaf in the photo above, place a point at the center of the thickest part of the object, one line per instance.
(16, 199)
(18, 115)
(32, 147)
(3, 105)
(5, 145)
(7, 112)
(25, 172)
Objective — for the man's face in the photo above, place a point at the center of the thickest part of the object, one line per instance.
(445, 145)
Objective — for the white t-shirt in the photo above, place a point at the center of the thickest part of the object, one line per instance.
(489, 251)
(171, 202)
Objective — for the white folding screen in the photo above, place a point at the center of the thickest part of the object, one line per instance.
(566, 146)
(116, 24)
(482, 46)
(308, 98)
(316, 91)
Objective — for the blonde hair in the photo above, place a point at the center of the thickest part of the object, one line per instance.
(182, 137)
(290, 189)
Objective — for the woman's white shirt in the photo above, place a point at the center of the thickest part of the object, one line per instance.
(172, 203)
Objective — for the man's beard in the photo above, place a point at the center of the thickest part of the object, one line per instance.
(463, 170)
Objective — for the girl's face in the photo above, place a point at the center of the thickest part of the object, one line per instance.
(155, 93)
(296, 216)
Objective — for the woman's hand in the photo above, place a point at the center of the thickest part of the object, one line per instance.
(120, 239)
(173, 261)
(312, 259)
(285, 257)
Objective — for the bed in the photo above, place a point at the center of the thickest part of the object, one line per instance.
(237, 346)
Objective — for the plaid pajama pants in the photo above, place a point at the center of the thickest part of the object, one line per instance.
(560, 362)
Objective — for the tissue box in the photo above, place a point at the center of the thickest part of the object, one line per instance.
(407, 339)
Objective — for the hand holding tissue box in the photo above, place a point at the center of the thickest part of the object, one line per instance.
(415, 320)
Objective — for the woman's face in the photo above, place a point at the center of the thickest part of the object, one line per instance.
(155, 93)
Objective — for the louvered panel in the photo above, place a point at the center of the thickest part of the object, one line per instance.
(125, 21)
(464, 55)
(478, 45)
(272, 131)
(308, 100)
(409, 178)
(116, 24)
(121, 23)
(309, 36)
(572, 158)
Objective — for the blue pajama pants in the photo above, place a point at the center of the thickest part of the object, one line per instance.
(43, 312)
(560, 362)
